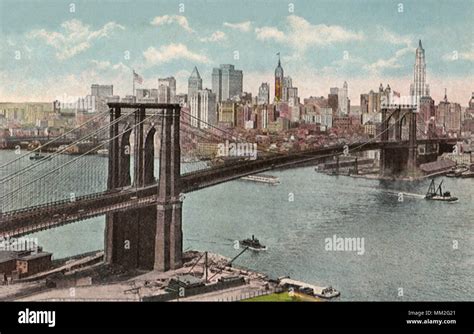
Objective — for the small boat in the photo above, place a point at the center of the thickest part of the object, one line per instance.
(467, 175)
(103, 152)
(437, 194)
(327, 293)
(253, 244)
(37, 156)
(456, 172)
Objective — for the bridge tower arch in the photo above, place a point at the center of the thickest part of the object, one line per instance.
(398, 160)
(150, 156)
(124, 160)
(147, 237)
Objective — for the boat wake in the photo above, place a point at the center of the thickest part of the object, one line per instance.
(414, 195)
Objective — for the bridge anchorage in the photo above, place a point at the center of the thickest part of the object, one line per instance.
(150, 237)
(398, 160)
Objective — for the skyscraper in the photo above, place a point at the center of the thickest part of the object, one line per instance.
(203, 108)
(419, 88)
(364, 103)
(287, 84)
(333, 100)
(292, 95)
(164, 94)
(99, 96)
(102, 90)
(278, 81)
(167, 90)
(226, 82)
(448, 115)
(194, 82)
(263, 94)
(146, 95)
(343, 100)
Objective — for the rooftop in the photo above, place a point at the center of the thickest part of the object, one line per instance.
(33, 256)
(21, 255)
(7, 256)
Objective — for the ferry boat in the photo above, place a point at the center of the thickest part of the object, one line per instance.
(270, 179)
(437, 194)
(253, 244)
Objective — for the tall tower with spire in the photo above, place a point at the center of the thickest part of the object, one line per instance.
(194, 82)
(419, 88)
(278, 80)
(343, 98)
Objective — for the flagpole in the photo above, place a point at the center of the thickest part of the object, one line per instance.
(133, 79)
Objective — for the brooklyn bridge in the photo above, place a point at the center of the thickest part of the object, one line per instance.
(144, 211)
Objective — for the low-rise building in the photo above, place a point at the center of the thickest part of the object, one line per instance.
(23, 263)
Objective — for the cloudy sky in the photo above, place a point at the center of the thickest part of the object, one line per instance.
(57, 48)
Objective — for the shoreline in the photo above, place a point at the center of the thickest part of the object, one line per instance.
(101, 282)
(387, 178)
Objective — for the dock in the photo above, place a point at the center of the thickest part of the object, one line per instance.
(309, 289)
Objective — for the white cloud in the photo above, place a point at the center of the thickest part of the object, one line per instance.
(455, 55)
(170, 19)
(170, 52)
(10, 41)
(101, 65)
(388, 36)
(215, 37)
(107, 65)
(302, 34)
(76, 38)
(382, 64)
(266, 33)
(393, 62)
(242, 26)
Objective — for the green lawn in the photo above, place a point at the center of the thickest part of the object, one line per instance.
(280, 297)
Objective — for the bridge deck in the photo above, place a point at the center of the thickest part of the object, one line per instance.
(50, 215)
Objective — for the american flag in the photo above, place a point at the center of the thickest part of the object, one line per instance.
(137, 78)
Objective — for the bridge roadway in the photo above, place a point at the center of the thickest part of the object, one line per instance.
(50, 215)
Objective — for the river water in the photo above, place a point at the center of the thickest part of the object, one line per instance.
(421, 249)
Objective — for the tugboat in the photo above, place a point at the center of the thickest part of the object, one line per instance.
(37, 156)
(437, 194)
(253, 244)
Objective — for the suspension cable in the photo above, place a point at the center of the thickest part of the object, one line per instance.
(58, 152)
(75, 159)
(55, 139)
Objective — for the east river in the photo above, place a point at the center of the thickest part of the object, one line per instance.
(422, 249)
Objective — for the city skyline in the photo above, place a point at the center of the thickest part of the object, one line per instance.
(62, 52)
(237, 150)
